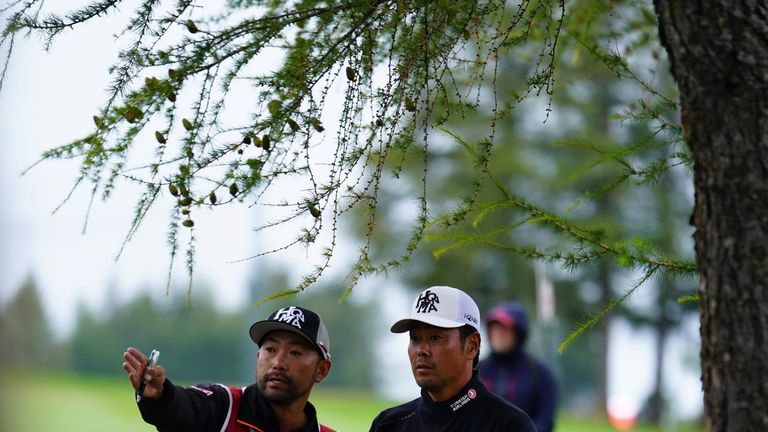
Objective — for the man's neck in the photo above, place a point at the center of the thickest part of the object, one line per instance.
(451, 391)
(290, 416)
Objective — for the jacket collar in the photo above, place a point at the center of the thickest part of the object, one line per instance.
(465, 398)
(256, 412)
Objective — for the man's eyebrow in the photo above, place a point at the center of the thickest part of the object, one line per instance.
(298, 341)
(425, 326)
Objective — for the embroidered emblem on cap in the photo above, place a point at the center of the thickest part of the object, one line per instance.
(290, 315)
(426, 302)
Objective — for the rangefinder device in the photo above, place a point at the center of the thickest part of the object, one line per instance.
(153, 356)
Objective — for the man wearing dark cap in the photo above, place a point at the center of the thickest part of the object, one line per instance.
(443, 326)
(293, 355)
(513, 374)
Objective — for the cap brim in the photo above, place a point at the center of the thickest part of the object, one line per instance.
(261, 328)
(406, 324)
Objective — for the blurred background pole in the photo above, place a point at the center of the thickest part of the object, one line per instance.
(545, 314)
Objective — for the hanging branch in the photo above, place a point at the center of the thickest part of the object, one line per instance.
(405, 67)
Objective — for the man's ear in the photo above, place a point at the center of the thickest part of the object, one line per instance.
(473, 345)
(323, 369)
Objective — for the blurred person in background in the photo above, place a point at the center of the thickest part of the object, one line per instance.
(510, 372)
(443, 326)
(293, 355)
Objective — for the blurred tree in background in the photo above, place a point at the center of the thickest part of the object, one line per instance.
(198, 341)
(26, 339)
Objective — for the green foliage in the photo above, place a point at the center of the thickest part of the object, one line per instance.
(585, 247)
(411, 72)
(689, 298)
(403, 62)
(587, 244)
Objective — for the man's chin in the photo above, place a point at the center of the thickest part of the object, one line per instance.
(423, 382)
(279, 397)
(276, 393)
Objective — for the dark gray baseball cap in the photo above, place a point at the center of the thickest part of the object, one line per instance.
(298, 320)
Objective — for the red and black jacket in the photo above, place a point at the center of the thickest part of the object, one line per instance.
(216, 408)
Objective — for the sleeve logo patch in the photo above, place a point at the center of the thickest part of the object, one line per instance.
(202, 390)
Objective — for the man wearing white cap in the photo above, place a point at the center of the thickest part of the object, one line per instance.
(293, 355)
(444, 346)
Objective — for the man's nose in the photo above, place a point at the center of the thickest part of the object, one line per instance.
(421, 349)
(279, 360)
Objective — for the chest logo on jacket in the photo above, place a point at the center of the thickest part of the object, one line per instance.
(290, 315)
(426, 302)
(460, 402)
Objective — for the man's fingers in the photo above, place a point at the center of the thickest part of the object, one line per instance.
(154, 378)
(129, 369)
(135, 358)
(133, 374)
(134, 363)
(138, 355)
(156, 374)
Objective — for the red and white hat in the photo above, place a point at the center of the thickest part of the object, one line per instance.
(441, 306)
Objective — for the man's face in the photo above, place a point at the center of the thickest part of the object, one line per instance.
(441, 365)
(288, 366)
(501, 337)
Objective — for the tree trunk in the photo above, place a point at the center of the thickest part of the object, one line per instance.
(719, 56)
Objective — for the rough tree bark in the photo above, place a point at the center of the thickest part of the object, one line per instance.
(719, 56)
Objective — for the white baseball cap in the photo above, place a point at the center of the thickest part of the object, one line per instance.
(441, 306)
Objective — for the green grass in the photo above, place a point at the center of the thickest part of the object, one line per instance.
(347, 411)
(37, 401)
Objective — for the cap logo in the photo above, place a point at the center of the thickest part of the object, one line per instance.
(426, 302)
(290, 315)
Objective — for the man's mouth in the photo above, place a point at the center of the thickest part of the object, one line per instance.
(423, 366)
(277, 379)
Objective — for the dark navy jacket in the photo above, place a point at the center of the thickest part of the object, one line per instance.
(525, 382)
(518, 377)
(474, 408)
